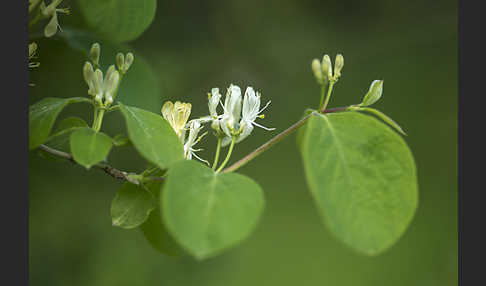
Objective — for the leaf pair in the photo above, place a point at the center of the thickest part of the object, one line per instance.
(203, 211)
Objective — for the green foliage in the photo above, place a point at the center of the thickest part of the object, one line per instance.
(154, 229)
(121, 140)
(89, 147)
(42, 116)
(383, 117)
(60, 138)
(362, 176)
(131, 206)
(208, 212)
(152, 136)
(119, 20)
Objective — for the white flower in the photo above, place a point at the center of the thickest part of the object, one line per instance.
(232, 109)
(251, 111)
(194, 128)
(51, 11)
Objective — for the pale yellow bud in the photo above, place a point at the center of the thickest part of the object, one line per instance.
(338, 65)
(94, 54)
(327, 66)
(316, 69)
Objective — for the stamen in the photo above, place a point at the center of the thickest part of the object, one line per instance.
(268, 103)
(263, 127)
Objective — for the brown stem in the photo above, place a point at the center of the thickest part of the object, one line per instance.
(115, 173)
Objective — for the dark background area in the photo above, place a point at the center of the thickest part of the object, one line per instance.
(193, 46)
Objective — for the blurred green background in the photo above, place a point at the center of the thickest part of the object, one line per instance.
(192, 46)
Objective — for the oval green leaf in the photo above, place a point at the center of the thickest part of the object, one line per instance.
(89, 147)
(152, 136)
(118, 20)
(363, 178)
(207, 212)
(42, 116)
(131, 206)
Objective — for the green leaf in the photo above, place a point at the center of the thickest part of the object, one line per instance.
(154, 229)
(152, 136)
(207, 212)
(121, 140)
(70, 123)
(363, 178)
(383, 117)
(60, 139)
(89, 147)
(374, 93)
(131, 206)
(118, 20)
(42, 116)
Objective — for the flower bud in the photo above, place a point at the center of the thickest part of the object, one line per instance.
(128, 61)
(374, 93)
(109, 72)
(120, 61)
(88, 72)
(214, 101)
(317, 70)
(338, 65)
(94, 54)
(98, 82)
(327, 66)
(112, 82)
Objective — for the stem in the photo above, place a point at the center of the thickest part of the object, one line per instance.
(115, 173)
(216, 157)
(323, 91)
(233, 140)
(99, 112)
(276, 139)
(329, 91)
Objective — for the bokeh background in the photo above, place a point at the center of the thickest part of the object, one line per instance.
(192, 46)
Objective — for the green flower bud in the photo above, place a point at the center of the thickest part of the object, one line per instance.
(327, 66)
(374, 93)
(128, 61)
(98, 82)
(94, 54)
(120, 61)
(316, 69)
(111, 83)
(338, 65)
(88, 73)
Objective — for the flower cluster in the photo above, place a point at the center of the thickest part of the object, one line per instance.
(103, 89)
(323, 70)
(233, 125)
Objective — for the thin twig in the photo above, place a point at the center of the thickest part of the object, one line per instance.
(276, 139)
(115, 173)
